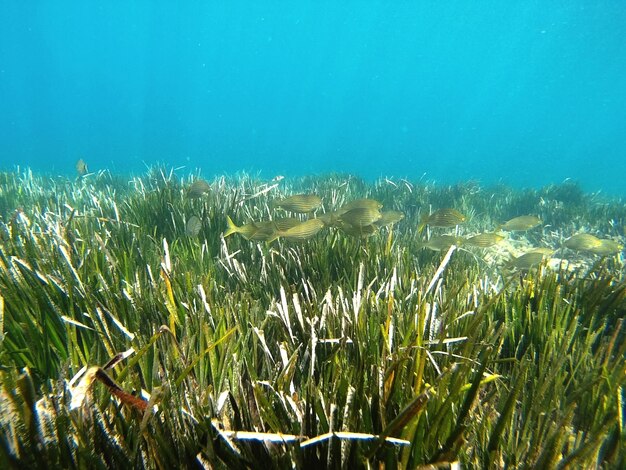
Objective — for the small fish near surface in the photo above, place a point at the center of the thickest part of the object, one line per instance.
(299, 203)
(198, 189)
(520, 224)
(442, 218)
(193, 226)
(300, 232)
(484, 240)
(582, 242)
(81, 167)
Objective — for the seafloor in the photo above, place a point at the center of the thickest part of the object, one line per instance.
(134, 333)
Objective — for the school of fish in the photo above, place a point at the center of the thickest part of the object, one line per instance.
(365, 217)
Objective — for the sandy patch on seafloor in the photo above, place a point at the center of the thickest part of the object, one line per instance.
(509, 248)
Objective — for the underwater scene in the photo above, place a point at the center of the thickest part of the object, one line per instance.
(313, 235)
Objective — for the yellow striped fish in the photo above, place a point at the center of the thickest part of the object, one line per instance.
(81, 167)
(299, 203)
(526, 261)
(353, 231)
(246, 230)
(519, 224)
(361, 216)
(441, 242)
(302, 231)
(266, 229)
(389, 218)
(582, 242)
(360, 204)
(198, 188)
(607, 247)
(442, 218)
(484, 240)
(193, 226)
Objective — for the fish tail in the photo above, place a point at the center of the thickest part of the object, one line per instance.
(277, 234)
(275, 203)
(422, 224)
(232, 228)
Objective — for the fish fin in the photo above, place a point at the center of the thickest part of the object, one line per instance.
(422, 225)
(274, 236)
(232, 228)
(275, 203)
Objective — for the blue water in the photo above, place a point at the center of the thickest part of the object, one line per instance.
(524, 92)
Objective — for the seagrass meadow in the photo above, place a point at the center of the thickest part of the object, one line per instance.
(128, 342)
